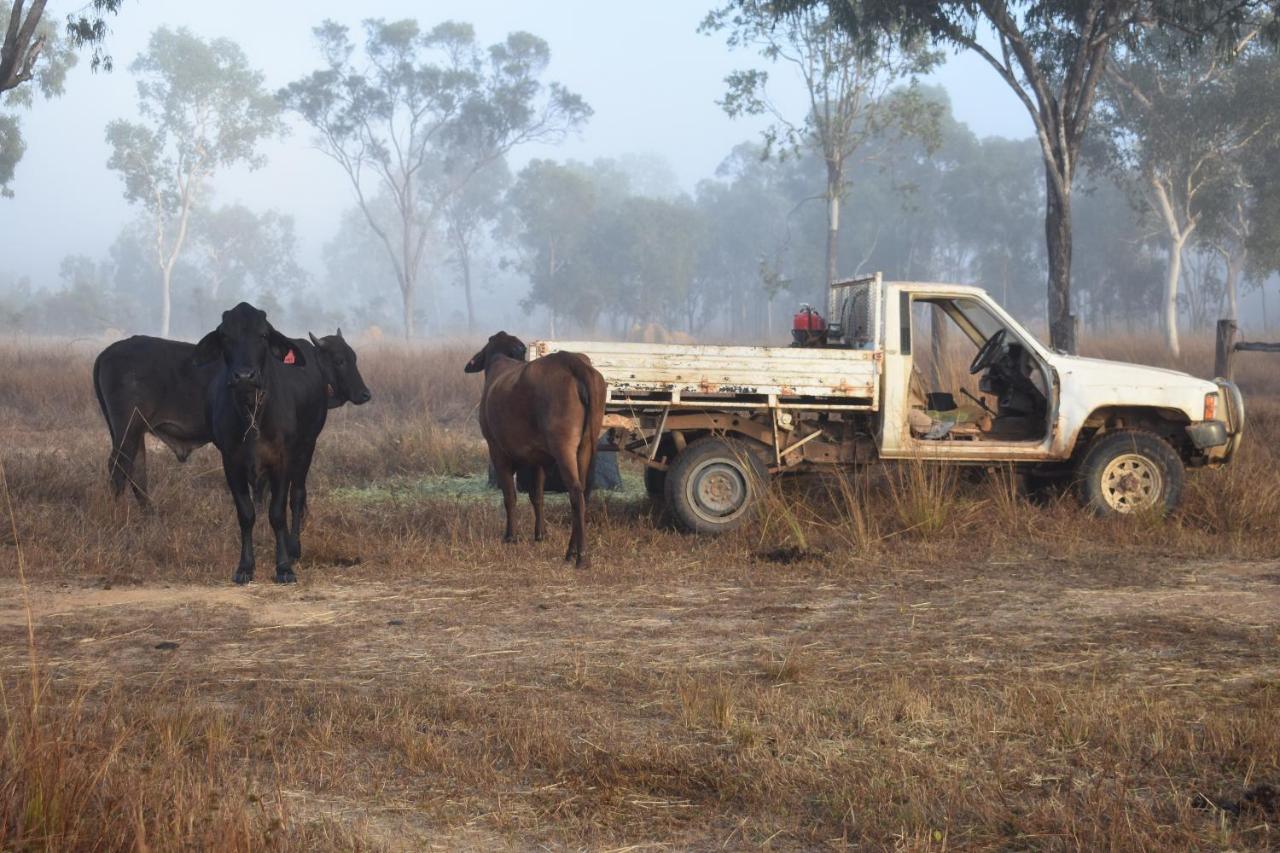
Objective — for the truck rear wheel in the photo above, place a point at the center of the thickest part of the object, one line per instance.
(1130, 471)
(714, 485)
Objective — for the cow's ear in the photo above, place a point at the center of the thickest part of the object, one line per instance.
(476, 364)
(208, 349)
(281, 347)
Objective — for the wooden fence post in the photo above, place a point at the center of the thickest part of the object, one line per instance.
(1223, 348)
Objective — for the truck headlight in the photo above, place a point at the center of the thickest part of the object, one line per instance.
(1211, 406)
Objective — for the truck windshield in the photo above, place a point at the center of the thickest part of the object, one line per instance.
(976, 313)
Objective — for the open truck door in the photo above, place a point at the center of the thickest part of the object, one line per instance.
(963, 380)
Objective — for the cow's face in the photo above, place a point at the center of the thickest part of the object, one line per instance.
(245, 341)
(338, 360)
(499, 344)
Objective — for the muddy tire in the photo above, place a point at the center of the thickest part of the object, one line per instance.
(655, 483)
(1130, 471)
(714, 485)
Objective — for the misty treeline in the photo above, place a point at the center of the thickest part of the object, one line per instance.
(1174, 214)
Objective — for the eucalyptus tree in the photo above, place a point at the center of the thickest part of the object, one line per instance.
(416, 114)
(1238, 219)
(35, 57)
(748, 255)
(236, 247)
(202, 108)
(650, 247)
(1177, 128)
(476, 206)
(846, 80)
(1051, 54)
(554, 206)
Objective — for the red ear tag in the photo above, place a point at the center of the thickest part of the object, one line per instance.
(290, 358)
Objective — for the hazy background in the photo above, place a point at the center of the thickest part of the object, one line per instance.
(653, 86)
(652, 80)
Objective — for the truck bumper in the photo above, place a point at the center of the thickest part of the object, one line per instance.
(1208, 434)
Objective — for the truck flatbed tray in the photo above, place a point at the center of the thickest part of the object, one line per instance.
(689, 375)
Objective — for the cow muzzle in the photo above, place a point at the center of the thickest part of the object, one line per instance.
(245, 377)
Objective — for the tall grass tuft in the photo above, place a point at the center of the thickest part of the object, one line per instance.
(923, 495)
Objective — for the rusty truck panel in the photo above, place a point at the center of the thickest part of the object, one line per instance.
(777, 377)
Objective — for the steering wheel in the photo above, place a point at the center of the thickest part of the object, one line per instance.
(990, 351)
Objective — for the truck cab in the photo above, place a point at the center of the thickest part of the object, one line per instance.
(906, 370)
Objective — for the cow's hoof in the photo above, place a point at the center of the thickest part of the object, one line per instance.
(584, 562)
(538, 537)
(242, 576)
(510, 539)
(286, 575)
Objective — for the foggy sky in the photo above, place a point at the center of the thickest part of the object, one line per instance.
(650, 77)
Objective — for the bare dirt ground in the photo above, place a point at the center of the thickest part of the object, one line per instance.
(603, 676)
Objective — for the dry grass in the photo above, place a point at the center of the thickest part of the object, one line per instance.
(888, 659)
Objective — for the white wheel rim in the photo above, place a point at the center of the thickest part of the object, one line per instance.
(1132, 482)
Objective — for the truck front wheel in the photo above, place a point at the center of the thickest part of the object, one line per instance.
(1130, 471)
(714, 485)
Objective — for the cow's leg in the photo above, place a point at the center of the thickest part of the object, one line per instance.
(277, 512)
(138, 475)
(298, 470)
(586, 452)
(260, 490)
(535, 498)
(506, 474)
(238, 483)
(128, 461)
(568, 465)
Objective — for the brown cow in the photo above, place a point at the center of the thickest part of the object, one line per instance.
(538, 413)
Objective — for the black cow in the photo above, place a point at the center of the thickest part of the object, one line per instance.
(146, 384)
(153, 385)
(264, 416)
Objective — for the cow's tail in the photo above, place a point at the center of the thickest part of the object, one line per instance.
(592, 392)
(102, 401)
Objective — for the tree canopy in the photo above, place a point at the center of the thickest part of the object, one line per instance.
(1051, 54)
(416, 113)
(203, 108)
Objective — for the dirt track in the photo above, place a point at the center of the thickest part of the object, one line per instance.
(636, 658)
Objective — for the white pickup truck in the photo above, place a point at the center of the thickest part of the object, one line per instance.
(888, 380)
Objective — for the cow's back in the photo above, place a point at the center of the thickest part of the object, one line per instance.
(155, 379)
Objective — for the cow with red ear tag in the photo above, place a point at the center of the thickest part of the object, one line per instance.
(266, 406)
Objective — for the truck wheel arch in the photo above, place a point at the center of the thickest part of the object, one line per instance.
(1128, 470)
(1169, 424)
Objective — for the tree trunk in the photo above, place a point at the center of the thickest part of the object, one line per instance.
(835, 179)
(464, 259)
(406, 301)
(1057, 228)
(166, 302)
(1235, 266)
(1172, 276)
(407, 266)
